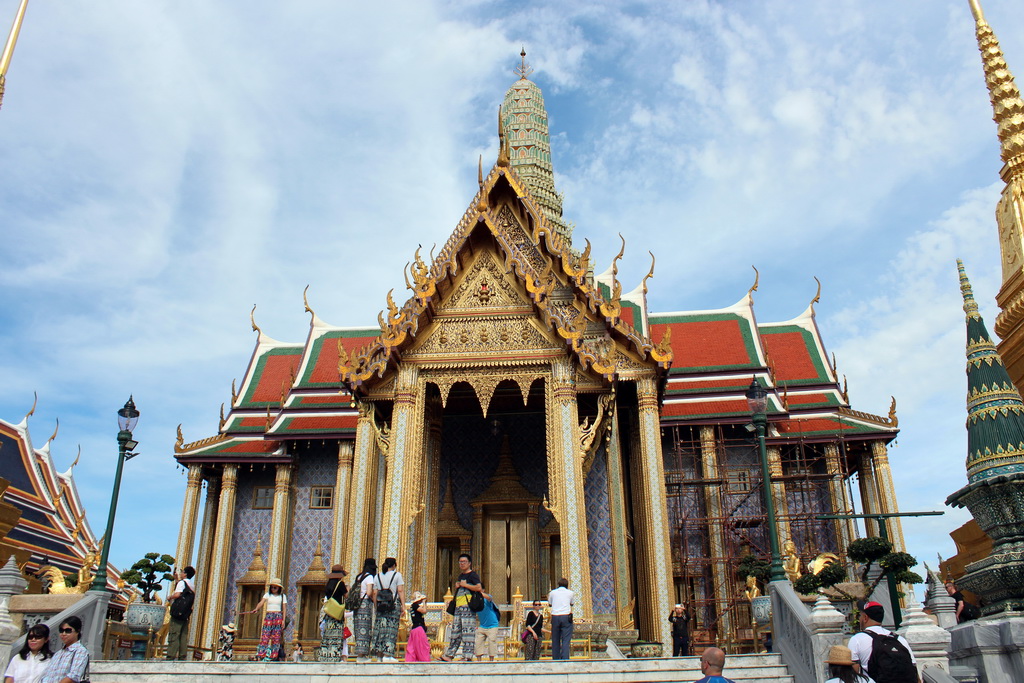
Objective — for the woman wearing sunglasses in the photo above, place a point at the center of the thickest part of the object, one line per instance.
(29, 664)
(71, 663)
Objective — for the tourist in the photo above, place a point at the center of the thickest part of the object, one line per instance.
(363, 617)
(227, 643)
(417, 648)
(29, 664)
(389, 604)
(297, 653)
(183, 598)
(965, 611)
(840, 667)
(71, 663)
(561, 600)
(464, 621)
(881, 654)
(487, 630)
(332, 631)
(712, 662)
(533, 632)
(680, 620)
(272, 634)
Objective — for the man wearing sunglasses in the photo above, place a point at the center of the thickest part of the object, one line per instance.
(71, 663)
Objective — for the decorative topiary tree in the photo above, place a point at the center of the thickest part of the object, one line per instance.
(866, 552)
(751, 565)
(145, 574)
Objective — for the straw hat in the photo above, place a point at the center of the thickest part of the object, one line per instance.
(230, 628)
(418, 596)
(839, 654)
(337, 572)
(276, 582)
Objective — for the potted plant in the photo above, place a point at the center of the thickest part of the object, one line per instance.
(147, 575)
(756, 573)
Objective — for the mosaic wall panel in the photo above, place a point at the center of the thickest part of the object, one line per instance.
(599, 536)
(248, 524)
(315, 467)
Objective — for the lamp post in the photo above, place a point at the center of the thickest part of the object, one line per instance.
(757, 400)
(126, 419)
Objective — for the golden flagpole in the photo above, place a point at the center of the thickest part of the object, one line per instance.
(12, 38)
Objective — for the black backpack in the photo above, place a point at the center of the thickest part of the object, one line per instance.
(181, 608)
(386, 598)
(890, 660)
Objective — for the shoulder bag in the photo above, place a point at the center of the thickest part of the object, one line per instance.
(355, 597)
(335, 610)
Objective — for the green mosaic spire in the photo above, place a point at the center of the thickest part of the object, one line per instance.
(525, 123)
(995, 412)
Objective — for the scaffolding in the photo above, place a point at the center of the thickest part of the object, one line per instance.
(717, 516)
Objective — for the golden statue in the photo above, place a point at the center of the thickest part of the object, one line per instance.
(85, 576)
(752, 591)
(791, 563)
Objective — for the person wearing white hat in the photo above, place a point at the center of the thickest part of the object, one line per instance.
(227, 643)
(272, 635)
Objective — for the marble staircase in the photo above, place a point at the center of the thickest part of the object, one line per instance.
(740, 668)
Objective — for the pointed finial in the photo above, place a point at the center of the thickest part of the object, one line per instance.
(979, 16)
(12, 38)
(650, 273)
(480, 172)
(252, 319)
(306, 302)
(757, 278)
(234, 393)
(77, 458)
(502, 151)
(35, 400)
(817, 294)
(523, 69)
(55, 430)
(220, 425)
(970, 305)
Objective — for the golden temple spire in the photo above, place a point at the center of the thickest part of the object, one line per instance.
(970, 305)
(1007, 107)
(524, 69)
(12, 38)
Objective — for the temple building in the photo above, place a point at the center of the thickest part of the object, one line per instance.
(520, 407)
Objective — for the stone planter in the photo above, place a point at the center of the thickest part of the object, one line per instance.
(761, 608)
(141, 616)
(641, 649)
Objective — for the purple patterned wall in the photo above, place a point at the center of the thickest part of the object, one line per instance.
(599, 537)
(248, 523)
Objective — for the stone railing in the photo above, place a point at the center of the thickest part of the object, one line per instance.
(803, 636)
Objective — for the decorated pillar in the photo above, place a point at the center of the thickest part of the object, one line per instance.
(401, 500)
(566, 482)
(220, 556)
(280, 524)
(360, 521)
(202, 563)
(424, 560)
(346, 449)
(721, 582)
(869, 492)
(779, 493)
(189, 515)
(845, 532)
(617, 518)
(887, 494)
(654, 556)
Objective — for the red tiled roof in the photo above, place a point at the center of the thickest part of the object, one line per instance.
(334, 399)
(706, 343)
(789, 355)
(697, 408)
(805, 399)
(277, 374)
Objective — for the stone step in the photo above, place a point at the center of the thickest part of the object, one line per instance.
(741, 668)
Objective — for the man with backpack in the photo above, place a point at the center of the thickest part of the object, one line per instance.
(182, 600)
(881, 654)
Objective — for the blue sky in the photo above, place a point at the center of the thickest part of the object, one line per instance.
(164, 166)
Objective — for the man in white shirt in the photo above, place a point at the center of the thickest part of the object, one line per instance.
(560, 601)
(862, 644)
(177, 629)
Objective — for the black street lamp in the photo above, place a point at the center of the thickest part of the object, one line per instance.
(126, 419)
(757, 400)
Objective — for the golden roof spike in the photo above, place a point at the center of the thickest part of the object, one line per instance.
(234, 393)
(1002, 90)
(55, 430)
(220, 425)
(252, 319)
(480, 172)
(650, 273)
(35, 400)
(12, 38)
(757, 279)
(306, 302)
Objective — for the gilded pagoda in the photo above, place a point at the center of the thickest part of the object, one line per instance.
(521, 407)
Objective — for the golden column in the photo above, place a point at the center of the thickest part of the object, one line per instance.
(346, 449)
(280, 523)
(654, 556)
(361, 521)
(12, 39)
(202, 563)
(405, 461)
(869, 491)
(565, 482)
(189, 514)
(219, 557)
(779, 493)
(845, 531)
(424, 560)
(617, 516)
(721, 583)
(887, 494)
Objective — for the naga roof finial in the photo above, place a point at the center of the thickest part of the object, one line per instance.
(523, 69)
(970, 305)
(650, 273)
(306, 302)
(817, 294)
(12, 38)
(757, 278)
(35, 400)
(502, 151)
(252, 319)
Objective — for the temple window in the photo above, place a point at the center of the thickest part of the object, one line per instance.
(321, 497)
(263, 498)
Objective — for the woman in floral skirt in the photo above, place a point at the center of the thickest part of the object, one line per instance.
(272, 635)
(362, 618)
